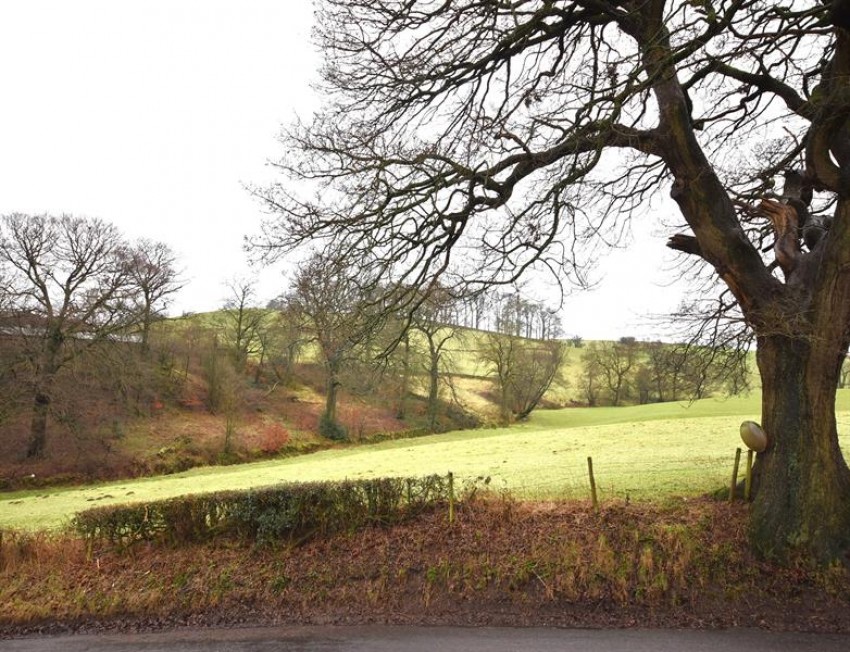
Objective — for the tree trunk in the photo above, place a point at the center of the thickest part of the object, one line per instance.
(38, 425)
(146, 329)
(433, 387)
(48, 368)
(802, 481)
(330, 395)
(401, 412)
(259, 369)
(617, 390)
(505, 398)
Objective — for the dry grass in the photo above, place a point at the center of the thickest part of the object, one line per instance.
(524, 563)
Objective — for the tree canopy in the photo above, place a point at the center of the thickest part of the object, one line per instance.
(486, 127)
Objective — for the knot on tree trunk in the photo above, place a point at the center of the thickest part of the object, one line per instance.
(678, 188)
(685, 243)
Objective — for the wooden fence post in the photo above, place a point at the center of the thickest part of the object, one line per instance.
(592, 484)
(451, 498)
(748, 478)
(734, 482)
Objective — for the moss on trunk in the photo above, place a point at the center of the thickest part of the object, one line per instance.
(803, 483)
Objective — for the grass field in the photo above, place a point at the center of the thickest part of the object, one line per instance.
(645, 452)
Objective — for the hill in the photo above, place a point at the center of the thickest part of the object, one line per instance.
(199, 397)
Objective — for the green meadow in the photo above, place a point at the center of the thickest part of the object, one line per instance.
(648, 452)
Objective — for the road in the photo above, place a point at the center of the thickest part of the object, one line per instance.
(435, 639)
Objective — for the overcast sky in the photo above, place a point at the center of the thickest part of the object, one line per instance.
(152, 115)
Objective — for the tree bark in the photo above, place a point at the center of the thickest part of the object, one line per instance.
(48, 368)
(38, 425)
(401, 411)
(786, 227)
(802, 481)
(331, 393)
(433, 384)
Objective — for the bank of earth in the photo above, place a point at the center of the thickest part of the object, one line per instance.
(684, 563)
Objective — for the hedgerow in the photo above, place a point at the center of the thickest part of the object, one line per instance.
(284, 513)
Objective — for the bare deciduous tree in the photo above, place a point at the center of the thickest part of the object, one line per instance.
(523, 371)
(590, 380)
(242, 320)
(224, 389)
(284, 336)
(70, 290)
(432, 320)
(335, 308)
(153, 269)
(617, 362)
(509, 134)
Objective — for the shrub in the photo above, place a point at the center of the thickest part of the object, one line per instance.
(274, 437)
(290, 513)
(331, 429)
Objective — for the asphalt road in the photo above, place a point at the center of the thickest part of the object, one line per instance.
(436, 639)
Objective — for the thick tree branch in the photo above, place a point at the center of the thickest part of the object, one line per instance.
(703, 200)
(766, 84)
(687, 244)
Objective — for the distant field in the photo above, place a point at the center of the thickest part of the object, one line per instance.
(464, 359)
(645, 452)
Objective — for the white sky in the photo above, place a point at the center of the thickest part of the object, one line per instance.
(153, 114)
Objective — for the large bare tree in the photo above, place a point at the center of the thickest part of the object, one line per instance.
(506, 134)
(286, 334)
(432, 320)
(617, 362)
(522, 370)
(69, 290)
(336, 310)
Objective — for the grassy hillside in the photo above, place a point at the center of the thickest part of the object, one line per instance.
(152, 413)
(645, 452)
(465, 360)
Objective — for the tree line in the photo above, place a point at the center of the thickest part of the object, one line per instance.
(73, 293)
(79, 304)
(613, 373)
(361, 343)
(82, 339)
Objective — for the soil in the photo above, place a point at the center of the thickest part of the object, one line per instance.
(501, 562)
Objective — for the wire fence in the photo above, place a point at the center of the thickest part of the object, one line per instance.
(640, 479)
